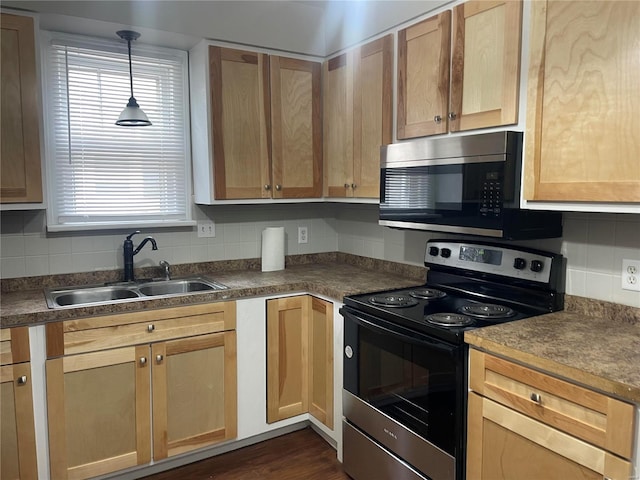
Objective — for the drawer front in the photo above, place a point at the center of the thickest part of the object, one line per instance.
(505, 444)
(14, 345)
(99, 333)
(591, 416)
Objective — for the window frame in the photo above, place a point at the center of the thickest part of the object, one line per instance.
(114, 46)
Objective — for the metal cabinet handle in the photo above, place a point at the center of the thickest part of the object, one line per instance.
(354, 186)
(278, 187)
(452, 115)
(346, 185)
(143, 360)
(267, 187)
(437, 119)
(159, 358)
(151, 328)
(22, 380)
(536, 398)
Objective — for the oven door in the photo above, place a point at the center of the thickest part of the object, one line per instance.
(407, 391)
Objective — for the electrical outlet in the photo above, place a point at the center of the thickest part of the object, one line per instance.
(631, 275)
(303, 235)
(206, 229)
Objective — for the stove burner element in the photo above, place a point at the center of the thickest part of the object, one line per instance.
(427, 293)
(395, 301)
(487, 310)
(449, 319)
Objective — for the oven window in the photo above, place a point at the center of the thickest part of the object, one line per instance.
(413, 384)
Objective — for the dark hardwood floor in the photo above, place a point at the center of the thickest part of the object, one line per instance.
(301, 455)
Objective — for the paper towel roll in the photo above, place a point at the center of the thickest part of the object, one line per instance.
(272, 249)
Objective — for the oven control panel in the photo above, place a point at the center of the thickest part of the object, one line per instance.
(528, 264)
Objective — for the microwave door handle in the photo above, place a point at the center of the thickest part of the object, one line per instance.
(415, 338)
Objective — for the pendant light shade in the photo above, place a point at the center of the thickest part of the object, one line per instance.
(132, 115)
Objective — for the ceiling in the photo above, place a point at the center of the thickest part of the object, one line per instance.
(310, 27)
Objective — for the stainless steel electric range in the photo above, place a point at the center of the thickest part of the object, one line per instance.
(405, 360)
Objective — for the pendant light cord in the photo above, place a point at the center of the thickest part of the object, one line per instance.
(130, 67)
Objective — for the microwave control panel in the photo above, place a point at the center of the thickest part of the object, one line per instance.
(492, 196)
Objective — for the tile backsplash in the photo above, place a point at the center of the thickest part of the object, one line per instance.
(593, 244)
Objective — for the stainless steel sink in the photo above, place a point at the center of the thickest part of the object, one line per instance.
(175, 287)
(77, 296)
(106, 294)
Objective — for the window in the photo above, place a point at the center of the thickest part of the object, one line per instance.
(101, 175)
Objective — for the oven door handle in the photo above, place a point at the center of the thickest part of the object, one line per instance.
(413, 337)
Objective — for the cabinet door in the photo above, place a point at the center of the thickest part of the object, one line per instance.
(287, 357)
(504, 444)
(321, 361)
(98, 412)
(20, 163)
(194, 393)
(338, 125)
(423, 77)
(372, 116)
(485, 68)
(18, 442)
(240, 123)
(583, 106)
(296, 121)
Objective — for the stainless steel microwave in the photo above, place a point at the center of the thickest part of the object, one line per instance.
(460, 184)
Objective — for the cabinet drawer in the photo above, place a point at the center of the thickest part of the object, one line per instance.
(98, 333)
(14, 345)
(596, 418)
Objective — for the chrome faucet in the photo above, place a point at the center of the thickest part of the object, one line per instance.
(167, 269)
(129, 252)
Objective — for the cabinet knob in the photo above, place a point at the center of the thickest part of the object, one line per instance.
(452, 115)
(267, 187)
(151, 328)
(437, 119)
(143, 360)
(159, 358)
(346, 185)
(278, 187)
(22, 380)
(536, 398)
(354, 186)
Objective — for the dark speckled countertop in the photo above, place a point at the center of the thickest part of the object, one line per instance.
(332, 275)
(593, 343)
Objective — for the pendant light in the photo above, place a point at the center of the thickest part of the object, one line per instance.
(132, 115)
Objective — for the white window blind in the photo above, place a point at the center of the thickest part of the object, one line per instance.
(102, 175)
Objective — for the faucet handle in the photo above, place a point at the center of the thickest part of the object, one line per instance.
(167, 269)
(129, 236)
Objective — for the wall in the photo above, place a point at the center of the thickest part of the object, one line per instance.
(593, 244)
(26, 250)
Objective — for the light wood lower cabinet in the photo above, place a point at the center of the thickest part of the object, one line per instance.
(17, 442)
(300, 358)
(528, 424)
(104, 404)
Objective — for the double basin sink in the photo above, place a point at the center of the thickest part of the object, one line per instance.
(109, 293)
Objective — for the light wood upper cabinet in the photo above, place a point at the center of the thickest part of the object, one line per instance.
(583, 104)
(526, 424)
(20, 162)
(17, 442)
(483, 87)
(299, 358)
(112, 380)
(296, 120)
(266, 138)
(424, 51)
(485, 66)
(240, 123)
(357, 118)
